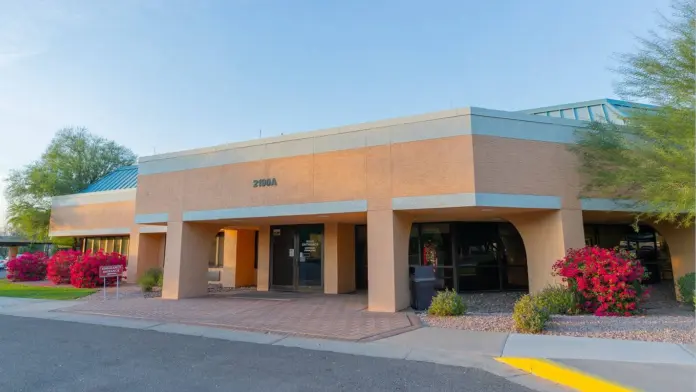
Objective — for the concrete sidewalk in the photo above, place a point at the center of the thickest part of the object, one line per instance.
(648, 366)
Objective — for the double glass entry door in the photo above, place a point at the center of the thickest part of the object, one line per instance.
(296, 257)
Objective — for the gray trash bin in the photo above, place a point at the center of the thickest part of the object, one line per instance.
(422, 284)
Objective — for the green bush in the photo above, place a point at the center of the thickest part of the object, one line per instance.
(686, 285)
(530, 315)
(447, 303)
(160, 278)
(151, 278)
(557, 300)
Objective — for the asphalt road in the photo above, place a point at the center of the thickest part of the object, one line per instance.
(45, 355)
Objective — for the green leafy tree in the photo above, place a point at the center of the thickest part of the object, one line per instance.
(74, 159)
(649, 161)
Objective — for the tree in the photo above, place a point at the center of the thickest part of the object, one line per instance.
(649, 161)
(74, 159)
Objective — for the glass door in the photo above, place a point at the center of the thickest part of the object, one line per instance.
(309, 260)
(297, 257)
(283, 257)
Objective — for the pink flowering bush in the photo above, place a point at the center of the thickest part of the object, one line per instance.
(85, 272)
(606, 282)
(27, 267)
(58, 268)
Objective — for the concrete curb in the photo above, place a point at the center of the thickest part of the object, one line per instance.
(564, 375)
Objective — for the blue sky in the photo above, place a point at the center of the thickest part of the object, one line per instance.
(166, 75)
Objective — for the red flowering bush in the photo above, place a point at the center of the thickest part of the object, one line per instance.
(58, 268)
(85, 272)
(27, 267)
(606, 282)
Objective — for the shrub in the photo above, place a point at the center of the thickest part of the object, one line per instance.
(85, 272)
(558, 299)
(606, 282)
(530, 315)
(27, 267)
(447, 303)
(151, 278)
(58, 267)
(686, 286)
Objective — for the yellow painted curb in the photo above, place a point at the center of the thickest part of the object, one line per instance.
(563, 375)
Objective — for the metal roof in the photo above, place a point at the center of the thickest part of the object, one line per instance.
(122, 178)
(604, 109)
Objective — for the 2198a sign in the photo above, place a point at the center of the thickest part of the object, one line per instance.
(265, 182)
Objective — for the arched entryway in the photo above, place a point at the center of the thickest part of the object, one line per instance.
(471, 256)
(646, 244)
(666, 251)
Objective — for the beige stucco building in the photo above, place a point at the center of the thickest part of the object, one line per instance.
(491, 197)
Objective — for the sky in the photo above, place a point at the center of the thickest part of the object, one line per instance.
(168, 75)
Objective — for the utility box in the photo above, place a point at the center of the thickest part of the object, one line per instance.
(422, 284)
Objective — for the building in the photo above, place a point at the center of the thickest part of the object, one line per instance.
(490, 196)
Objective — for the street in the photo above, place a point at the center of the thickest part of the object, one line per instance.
(47, 355)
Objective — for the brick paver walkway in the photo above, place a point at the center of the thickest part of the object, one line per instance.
(342, 317)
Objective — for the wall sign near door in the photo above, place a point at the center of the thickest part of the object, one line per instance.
(264, 182)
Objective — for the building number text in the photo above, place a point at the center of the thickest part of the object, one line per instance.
(265, 182)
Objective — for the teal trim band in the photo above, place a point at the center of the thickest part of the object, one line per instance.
(501, 200)
(152, 218)
(438, 201)
(597, 204)
(332, 207)
(517, 201)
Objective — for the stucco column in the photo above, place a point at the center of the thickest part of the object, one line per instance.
(681, 243)
(339, 258)
(229, 258)
(186, 266)
(12, 252)
(145, 253)
(387, 260)
(238, 259)
(264, 259)
(547, 235)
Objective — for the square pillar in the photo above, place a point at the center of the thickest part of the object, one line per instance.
(186, 266)
(387, 260)
(339, 258)
(238, 259)
(12, 252)
(264, 259)
(146, 250)
(547, 236)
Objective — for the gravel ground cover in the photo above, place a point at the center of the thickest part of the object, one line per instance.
(665, 319)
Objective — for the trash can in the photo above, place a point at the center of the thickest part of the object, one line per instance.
(422, 285)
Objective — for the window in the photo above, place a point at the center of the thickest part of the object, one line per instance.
(256, 250)
(106, 244)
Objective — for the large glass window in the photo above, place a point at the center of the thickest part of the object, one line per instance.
(514, 272)
(106, 244)
(471, 256)
(414, 253)
(645, 244)
(478, 257)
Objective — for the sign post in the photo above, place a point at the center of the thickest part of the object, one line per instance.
(111, 271)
